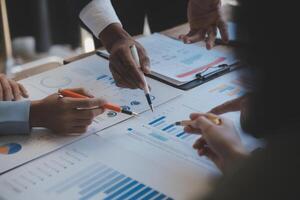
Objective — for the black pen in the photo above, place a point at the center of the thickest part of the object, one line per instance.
(102, 54)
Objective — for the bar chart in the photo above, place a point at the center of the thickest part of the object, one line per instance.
(103, 181)
(230, 90)
(71, 173)
(163, 124)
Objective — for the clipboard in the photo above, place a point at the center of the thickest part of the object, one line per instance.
(200, 79)
(224, 69)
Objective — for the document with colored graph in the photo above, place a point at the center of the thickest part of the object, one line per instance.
(91, 73)
(178, 63)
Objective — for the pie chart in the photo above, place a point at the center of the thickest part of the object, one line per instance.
(56, 82)
(10, 148)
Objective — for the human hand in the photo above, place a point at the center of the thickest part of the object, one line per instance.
(126, 72)
(205, 18)
(220, 143)
(10, 90)
(239, 104)
(62, 116)
(230, 106)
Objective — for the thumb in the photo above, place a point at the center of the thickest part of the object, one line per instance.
(203, 124)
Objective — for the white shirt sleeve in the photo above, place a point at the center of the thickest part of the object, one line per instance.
(97, 15)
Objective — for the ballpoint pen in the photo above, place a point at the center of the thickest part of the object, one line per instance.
(109, 106)
(146, 88)
(214, 119)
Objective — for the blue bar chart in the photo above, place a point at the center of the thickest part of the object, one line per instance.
(72, 173)
(108, 183)
(164, 125)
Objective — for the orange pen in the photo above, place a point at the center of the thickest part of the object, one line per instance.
(109, 106)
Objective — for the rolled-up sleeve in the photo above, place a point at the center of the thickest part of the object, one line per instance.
(97, 15)
(14, 117)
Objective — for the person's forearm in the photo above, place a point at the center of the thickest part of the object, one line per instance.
(111, 34)
(98, 15)
(35, 114)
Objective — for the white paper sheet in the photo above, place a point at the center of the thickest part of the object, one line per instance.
(147, 151)
(178, 62)
(93, 74)
(98, 167)
(39, 143)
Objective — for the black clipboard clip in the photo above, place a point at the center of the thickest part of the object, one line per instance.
(223, 68)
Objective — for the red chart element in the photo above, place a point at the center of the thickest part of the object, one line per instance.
(199, 69)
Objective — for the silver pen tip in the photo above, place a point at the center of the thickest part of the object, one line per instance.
(135, 114)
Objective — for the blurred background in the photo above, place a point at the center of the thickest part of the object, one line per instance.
(33, 32)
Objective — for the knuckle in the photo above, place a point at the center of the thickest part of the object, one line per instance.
(6, 87)
(14, 83)
(197, 123)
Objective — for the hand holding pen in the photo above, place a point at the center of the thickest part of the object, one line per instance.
(146, 87)
(220, 141)
(109, 106)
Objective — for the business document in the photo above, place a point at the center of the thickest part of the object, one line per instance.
(93, 74)
(178, 63)
(97, 167)
(147, 157)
